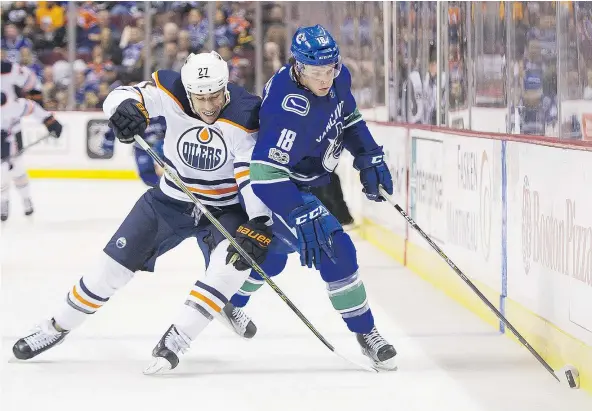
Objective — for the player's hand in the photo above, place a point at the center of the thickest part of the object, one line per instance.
(254, 237)
(314, 233)
(374, 173)
(130, 118)
(53, 126)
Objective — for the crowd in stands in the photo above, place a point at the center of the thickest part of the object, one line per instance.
(111, 48)
(111, 43)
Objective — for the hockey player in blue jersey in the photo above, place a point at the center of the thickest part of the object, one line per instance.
(148, 170)
(308, 116)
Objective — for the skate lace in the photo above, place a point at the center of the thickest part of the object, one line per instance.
(240, 318)
(374, 340)
(40, 340)
(176, 343)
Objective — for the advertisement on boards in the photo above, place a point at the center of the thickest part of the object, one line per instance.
(455, 197)
(550, 234)
(95, 136)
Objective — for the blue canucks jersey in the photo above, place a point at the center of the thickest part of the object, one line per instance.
(302, 136)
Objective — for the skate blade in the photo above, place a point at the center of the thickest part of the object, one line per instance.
(158, 366)
(388, 365)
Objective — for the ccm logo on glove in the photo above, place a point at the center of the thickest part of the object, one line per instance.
(377, 159)
(319, 211)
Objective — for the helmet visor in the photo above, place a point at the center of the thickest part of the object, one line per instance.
(320, 73)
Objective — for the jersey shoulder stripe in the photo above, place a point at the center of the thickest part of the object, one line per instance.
(170, 82)
(243, 109)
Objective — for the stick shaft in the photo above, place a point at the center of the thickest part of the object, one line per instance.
(499, 315)
(173, 176)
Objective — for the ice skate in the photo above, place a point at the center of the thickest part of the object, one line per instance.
(28, 205)
(43, 337)
(375, 347)
(166, 353)
(240, 322)
(4, 210)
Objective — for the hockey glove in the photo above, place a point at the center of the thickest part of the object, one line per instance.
(254, 237)
(374, 173)
(130, 118)
(53, 126)
(313, 235)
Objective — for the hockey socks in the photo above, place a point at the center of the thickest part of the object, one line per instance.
(348, 297)
(91, 292)
(21, 181)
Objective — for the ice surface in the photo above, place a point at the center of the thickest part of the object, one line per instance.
(449, 359)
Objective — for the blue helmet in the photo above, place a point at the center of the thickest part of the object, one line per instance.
(314, 46)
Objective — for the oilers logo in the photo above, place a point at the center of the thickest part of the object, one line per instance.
(202, 148)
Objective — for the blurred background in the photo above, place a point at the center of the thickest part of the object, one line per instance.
(507, 67)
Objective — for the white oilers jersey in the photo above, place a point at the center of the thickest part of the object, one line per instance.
(212, 160)
(16, 75)
(14, 111)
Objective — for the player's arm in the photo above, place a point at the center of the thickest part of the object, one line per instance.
(357, 139)
(35, 111)
(130, 108)
(279, 147)
(244, 142)
(255, 235)
(277, 151)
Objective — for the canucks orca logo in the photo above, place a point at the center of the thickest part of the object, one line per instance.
(202, 148)
(296, 103)
(334, 150)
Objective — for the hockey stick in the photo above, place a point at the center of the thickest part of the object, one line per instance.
(173, 175)
(34, 143)
(569, 374)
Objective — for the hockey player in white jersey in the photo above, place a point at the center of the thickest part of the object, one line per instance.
(13, 111)
(211, 131)
(19, 81)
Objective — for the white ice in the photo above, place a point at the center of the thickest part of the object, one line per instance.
(448, 358)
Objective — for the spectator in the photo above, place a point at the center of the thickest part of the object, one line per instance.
(271, 62)
(197, 27)
(183, 49)
(48, 87)
(97, 67)
(13, 42)
(29, 60)
(18, 14)
(103, 92)
(30, 27)
(49, 37)
(168, 58)
(110, 46)
(50, 11)
(223, 36)
(132, 49)
(170, 33)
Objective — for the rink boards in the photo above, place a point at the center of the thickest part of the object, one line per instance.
(511, 212)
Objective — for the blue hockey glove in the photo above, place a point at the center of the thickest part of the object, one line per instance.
(374, 173)
(314, 235)
(130, 118)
